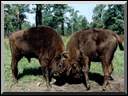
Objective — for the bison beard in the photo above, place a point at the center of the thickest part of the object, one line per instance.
(42, 43)
(93, 45)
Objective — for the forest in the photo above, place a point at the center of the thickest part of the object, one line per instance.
(55, 15)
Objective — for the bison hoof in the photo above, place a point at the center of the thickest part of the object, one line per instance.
(108, 87)
(103, 89)
(110, 78)
(88, 87)
(49, 86)
(106, 84)
(15, 80)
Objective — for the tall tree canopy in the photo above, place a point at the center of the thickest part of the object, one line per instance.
(109, 17)
(97, 16)
(14, 17)
(62, 17)
(113, 18)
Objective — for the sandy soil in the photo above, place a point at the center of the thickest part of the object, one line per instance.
(74, 85)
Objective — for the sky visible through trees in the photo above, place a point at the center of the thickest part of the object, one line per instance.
(64, 18)
(84, 9)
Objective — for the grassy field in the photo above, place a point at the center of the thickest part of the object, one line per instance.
(30, 72)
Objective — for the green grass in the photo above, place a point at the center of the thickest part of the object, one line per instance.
(22, 65)
(65, 39)
(118, 63)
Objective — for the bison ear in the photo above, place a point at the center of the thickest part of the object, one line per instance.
(65, 54)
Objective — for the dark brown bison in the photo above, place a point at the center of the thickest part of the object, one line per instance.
(92, 45)
(42, 43)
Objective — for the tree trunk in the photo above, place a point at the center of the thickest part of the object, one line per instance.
(18, 26)
(62, 27)
(38, 14)
(72, 28)
(18, 21)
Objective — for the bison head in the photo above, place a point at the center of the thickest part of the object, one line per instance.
(60, 65)
(64, 66)
(74, 70)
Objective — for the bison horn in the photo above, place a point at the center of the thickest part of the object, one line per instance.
(65, 54)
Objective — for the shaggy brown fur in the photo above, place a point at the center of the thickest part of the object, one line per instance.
(92, 45)
(42, 43)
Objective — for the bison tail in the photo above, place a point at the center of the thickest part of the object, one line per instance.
(119, 42)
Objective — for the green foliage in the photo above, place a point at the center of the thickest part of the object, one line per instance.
(63, 18)
(55, 16)
(109, 17)
(26, 25)
(97, 16)
(14, 17)
(114, 18)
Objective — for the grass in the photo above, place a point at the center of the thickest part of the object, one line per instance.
(29, 71)
(65, 39)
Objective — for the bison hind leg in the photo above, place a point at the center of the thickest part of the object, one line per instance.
(110, 71)
(14, 63)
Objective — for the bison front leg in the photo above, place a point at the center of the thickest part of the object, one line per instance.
(48, 77)
(85, 70)
(46, 73)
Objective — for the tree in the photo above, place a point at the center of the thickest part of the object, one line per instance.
(84, 23)
(73, 21)
(54, 15)
(98, 16)
(7, 18)
(114, 18)
(109, 17)
(20, 15)
(59, 15)
(38, 14)
(14, 16)
(47, 17)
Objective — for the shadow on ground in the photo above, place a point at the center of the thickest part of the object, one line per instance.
(98, 78)
(30, 71)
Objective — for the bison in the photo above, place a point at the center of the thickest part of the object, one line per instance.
(42, 43)
(91, 45)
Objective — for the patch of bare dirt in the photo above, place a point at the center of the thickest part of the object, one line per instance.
(116, 85)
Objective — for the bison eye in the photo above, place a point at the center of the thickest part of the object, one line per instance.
(60, 65)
